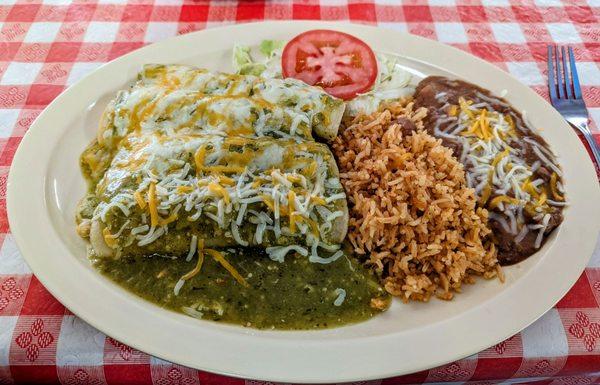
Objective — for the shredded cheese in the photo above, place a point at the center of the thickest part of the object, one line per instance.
(333, 258)
(224, 169)
(152, 206)
(312, 169)
(221, 259)
(170, 219)
(278, 253)
(318, 200)
(109, 238)
(184, 189)
(495, 163)
(291, 203)
(139, 200)
(199, 157)
(228, 186)
(219, 190)
(193, 272)
(341, 296)
(496, 201)
(198, 266)
(193, 248)
(554, 187)
(453, 111)
(226, 180)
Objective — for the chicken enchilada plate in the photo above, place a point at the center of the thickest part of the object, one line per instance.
(305, 184)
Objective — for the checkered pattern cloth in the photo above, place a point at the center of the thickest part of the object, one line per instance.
(44, 47)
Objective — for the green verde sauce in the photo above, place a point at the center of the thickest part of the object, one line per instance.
(295, 294)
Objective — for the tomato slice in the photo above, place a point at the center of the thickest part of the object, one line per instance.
(340, 63)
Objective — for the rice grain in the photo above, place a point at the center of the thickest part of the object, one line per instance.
(412, 216)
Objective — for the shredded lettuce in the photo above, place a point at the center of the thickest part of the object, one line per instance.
(270, 48)
(243, 62)
(267, 66)
(393, 82)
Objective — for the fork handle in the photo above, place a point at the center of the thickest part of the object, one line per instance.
(583, 128)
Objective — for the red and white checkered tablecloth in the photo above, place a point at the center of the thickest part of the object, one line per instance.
(46, 46)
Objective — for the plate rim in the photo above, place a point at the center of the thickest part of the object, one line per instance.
(19, 222)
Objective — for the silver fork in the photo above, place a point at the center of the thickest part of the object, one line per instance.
(565, 94)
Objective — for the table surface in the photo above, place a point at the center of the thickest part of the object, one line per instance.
(46, 46)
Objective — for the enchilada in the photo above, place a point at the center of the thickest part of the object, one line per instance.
(170, 99)
(322, 111)
(153, 108)
(161, 194)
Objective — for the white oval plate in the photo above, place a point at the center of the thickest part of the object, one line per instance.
(45, 183)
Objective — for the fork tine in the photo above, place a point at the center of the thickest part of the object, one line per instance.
(559, 74)
(551, 79)
(567, 74)
(576, 86)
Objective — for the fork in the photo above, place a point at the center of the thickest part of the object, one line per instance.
(565, 94)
